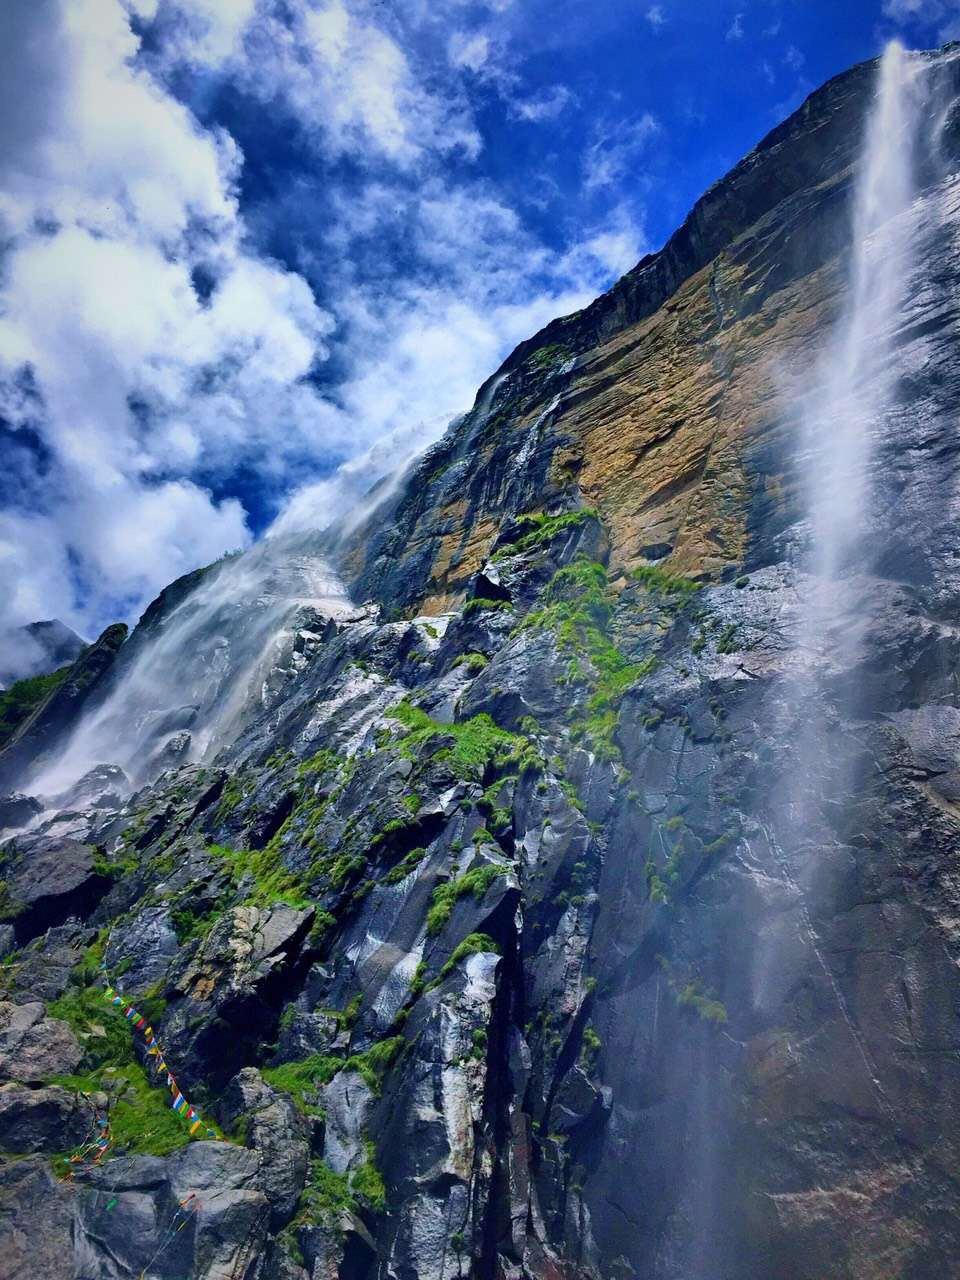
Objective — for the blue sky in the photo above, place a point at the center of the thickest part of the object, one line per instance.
(256, 252)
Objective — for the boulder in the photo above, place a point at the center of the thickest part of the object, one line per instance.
(346, 1102)
(49, 880)
(103, 787)
(49, 1119)
(34, 1047)
(277, 1132)
(16, 810)
(36, 1222)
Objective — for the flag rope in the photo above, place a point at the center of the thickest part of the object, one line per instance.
(157, 1058)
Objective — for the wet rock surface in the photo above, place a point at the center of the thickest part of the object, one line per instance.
(493, 944)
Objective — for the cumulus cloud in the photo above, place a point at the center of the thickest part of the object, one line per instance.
(137, 383)
(735, 30)
(656, 16)
(150, 351)
(943, 15)
(615, 148)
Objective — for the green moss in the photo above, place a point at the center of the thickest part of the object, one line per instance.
(590, 1045)
(474, 743)
(367, 1183)
(327, 1194)
(302, 1079)
(546, 357)
(100, 1027)
(323, 923)
(272, 882)
(537, 530)
(9, 907)
(141, 1120)
(474, 662)
(690, 995)
(374, 1063)
(667, 584)
(725, 641)
(481, 605)
(476, 881)
(709, 1010)
(22, 698)
(417, 982)
(233, 792)
(578, 608)
(191, 922)
(473, 944)
(405, 866)
(324, 761)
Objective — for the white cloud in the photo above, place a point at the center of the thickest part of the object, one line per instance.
(735, 30)
(794, 59)
(615, 149)
(470, 51)
(656, 16)
(942, 14)
(546, 105)
(338, 73)
(138, 383)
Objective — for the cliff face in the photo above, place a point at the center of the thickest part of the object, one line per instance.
(515, 935)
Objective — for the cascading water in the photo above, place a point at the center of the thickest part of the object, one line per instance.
(852, 388)
(189, 687)
(842, 424)
(857, 374)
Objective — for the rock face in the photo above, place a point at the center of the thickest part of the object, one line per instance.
(512, 936)
(58, 643)
(60, 710)
(37, 649)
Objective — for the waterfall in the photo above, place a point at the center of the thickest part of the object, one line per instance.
(857, 373)
(189, 688)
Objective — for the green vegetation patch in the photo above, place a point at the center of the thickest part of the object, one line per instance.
(476, 881)
(141, 1121)
(690, 995)
(548, 356)
(302, 1079)
(482, 605)
(473, 944)
(21, 699)
(327, 1194)
(667, 584)
(474, 662)
(474, 743)
(578, 608)
(539, 529)
(272, 882)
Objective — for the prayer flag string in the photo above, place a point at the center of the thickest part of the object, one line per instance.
(179, 1103)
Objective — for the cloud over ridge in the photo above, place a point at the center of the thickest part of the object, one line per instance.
(158, 362)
